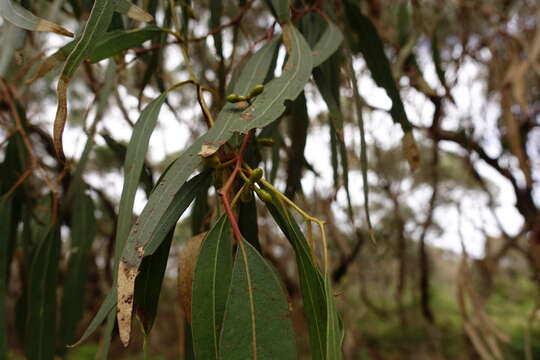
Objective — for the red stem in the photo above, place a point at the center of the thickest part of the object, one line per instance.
(226, 189)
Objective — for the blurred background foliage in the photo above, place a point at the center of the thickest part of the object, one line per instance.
(469, 75)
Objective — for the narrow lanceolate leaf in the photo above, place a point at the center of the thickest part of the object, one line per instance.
(149, 281)
(110, 44)
(327, 45)
(264, 110)
(334, 328)
(372, 48)
(104, 310)
(132, 11)
(98, 22)
(133, 166)
(257, 322)
(268, 106)
(83, 232)
(210, 287)
(311, 281)
(21, 17)
(115, 42)
(153, 238)
(41, 318)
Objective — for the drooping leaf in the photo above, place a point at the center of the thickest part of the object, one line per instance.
(83, 231)
(327, 45)
(257, 322)
(311, 281)
(133, 165)
(153, 239)
(149, 281)
(210, 287)
(372, 48)
(120, 150)
(247, 222)
(23, 18)
(110, 44)
(41, 318)
(216, 11)
(298, 119)
(266, 108)
(97, 25)
(115, 42)
(180, 202)
(334, 328)
(269, 105)
(105, 309)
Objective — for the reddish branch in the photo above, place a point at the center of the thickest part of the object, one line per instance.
(225, 191)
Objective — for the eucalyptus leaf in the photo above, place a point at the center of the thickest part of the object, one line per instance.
(23, 18)
(257, 322)
(40, 339)
(210, 287)
(83, 231)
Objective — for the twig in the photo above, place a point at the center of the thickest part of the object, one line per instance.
(224, 192)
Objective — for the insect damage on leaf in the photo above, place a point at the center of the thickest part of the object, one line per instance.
(208, 150)
(126, 287)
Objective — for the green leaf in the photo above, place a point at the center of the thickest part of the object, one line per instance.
(110, 44)
(21, 17)
(334, 328)
(298, 128)
(133, 165)
(115, 42)
(152, 239)
(311, 281)
(257, 322)
(247, 222)
(41, 318)
(149, 281)
(216, 11)
(269, 105)
(120, 150)
(83, 231)
(372, 48)
(97, 25)
(210, 287)
(327, 45)
(266, 108)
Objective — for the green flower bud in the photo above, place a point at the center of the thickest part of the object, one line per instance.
(263, 195)
(234, 98)
(256, 175)
(257, 90)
